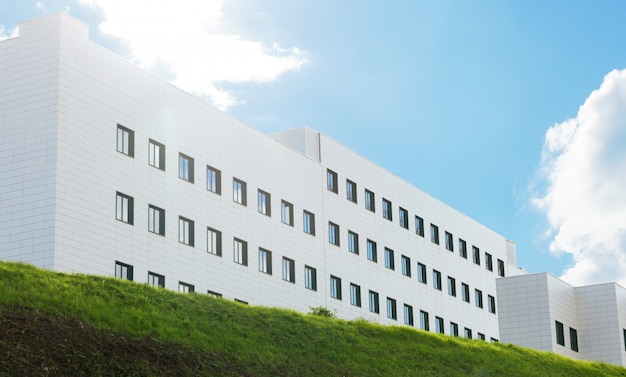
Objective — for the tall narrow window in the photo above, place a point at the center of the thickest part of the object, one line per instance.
(331, 181)
(403, 215)
(239, 192)
(310, 278)
(370, 201)
(125, 141)
(185, 167)
(308, 222)
(481, 336)
(156, 220)
(419, 226)
(434, 234)
(488, 262)
(437, 280)
(454, 329)
(465, 292)
(500, 268)
(389, 259)
(439, 325)
(333, 234)
(351, 191)
(265, 203)
(468, 333)
(156, 154)
(240, 251)
(449, 241)
(185, 231)
(335, 287)
(213, 180)
(124, 208)
(406, 265)
(289, 270)
(374, 304)
(424, 322)
(476, 255)
(408, 315)
(123, 271)
(560, 334)
(371, 251)
(214, 241)
(286, 213)
(265, 261)
(355, 295)
(491, 304)
(462, 248)
(387, 210)
(421, 273)
(353, 242)
(573, 339)
(392, 312)
(185, 288)
(451, 286)
(156, 280)
(213, 293)
(478, 298)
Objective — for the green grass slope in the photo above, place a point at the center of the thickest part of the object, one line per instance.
(59, 324)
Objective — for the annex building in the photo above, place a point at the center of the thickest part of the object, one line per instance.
(106, 169)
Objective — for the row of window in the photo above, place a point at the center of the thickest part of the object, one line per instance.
(387, 212)
(560, 336)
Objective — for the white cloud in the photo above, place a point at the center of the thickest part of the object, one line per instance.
(584, 164)
(5, 34)
(185, 36)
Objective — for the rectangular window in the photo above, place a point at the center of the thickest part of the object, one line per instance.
(213, 180)
(333, 234)
(560, 334)
(374, 304)
(124, 208)
(331, 181)
(491, 304)
(310, 278)
(451, 286)
(468, 333)
(370, 201)
(408, 315)
(624, 334)
(439, 325)
(465, 292)
(449, 241)
(478, 298)
(434, 234)
(156, 280)
(403, 214)
(240, 192)
(156, 220)
(309, 223)
(265, 203)
(371, 251)
(286, 213)
(391, 309)
(351, 191)
(488, 262)
(212, 293)
(424, 322)
(265, 261)
(125, 141)
(240, 251)
(353, 242)
(214, 241)
(421, 273)
(123, 271)
(419, 226)
(406, 265)
(454, 329)
(437, 280)
(389, 260)
(289, 270)
(185, 167)
(355, 295)
(241, 301)
(476, 255)
(573, 339)
(156, 154)
(335, 287)
(462, 248)
(185, 231)
(185, 288)
(387, 210)
(500, 267)
(481, 336)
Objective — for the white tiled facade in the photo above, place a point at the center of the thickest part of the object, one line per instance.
(593, 318)
(63, 100)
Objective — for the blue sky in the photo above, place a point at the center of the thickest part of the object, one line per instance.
(511, 112)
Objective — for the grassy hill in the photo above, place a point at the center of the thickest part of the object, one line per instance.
(54, 324)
